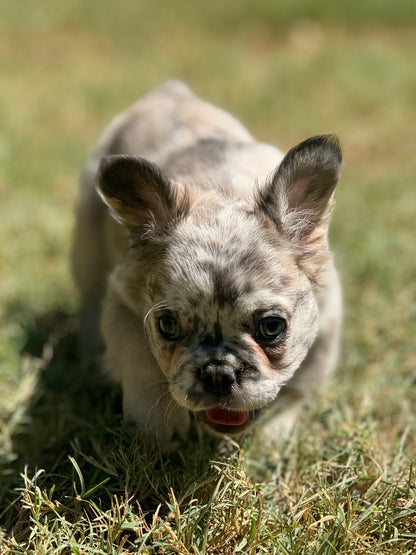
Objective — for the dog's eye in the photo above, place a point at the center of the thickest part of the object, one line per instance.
(270, 328)
(169, 326)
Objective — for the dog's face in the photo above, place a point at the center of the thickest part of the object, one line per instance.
(229, 315)
(226, 286)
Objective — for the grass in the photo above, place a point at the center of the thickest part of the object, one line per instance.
(73, 478)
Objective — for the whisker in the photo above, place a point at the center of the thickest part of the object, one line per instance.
(155, 406)
(161, 305)
(157, 306)
(149, 387)
(168, 411)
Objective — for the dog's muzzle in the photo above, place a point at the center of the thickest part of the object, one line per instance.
(218, 379)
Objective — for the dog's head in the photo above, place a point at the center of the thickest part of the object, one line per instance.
(226, 286)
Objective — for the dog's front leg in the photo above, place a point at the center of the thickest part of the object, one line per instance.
(146, 398)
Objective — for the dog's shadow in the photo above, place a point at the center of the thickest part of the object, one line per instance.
(71, 427)
(67, 395)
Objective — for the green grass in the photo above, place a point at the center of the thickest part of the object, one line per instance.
(73, 478)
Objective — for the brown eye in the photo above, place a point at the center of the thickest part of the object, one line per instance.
(169, 326)
(270, 328)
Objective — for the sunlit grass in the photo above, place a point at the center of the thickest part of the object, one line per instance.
(72, 478)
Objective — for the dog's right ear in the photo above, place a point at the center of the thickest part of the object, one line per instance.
(139, 193)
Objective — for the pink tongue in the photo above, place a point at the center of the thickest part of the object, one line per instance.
(217, 415)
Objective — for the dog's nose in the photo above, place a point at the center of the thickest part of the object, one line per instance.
(217, 379)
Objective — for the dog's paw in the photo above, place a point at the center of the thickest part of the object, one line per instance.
(166, 429)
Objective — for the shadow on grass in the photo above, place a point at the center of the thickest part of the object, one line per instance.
(71, 428)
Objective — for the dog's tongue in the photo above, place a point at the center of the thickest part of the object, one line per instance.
(217, 415)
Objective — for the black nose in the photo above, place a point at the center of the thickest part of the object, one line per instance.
(217, 379)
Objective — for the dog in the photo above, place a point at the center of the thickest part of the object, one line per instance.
(208, 272)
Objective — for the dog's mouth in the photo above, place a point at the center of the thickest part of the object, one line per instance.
(229, 421)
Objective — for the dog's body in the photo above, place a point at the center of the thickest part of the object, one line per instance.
(219, 291)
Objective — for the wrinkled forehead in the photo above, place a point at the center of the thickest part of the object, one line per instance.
(229, 264)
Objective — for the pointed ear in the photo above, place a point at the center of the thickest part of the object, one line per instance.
(299, 197)
(139, 193)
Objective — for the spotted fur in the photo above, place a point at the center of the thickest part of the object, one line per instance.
(218, 233)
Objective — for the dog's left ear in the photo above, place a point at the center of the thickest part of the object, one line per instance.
(299, 197)
(139, 193)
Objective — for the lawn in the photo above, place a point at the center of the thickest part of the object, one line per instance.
(73, 477)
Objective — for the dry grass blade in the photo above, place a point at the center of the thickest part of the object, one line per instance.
(73, 478)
